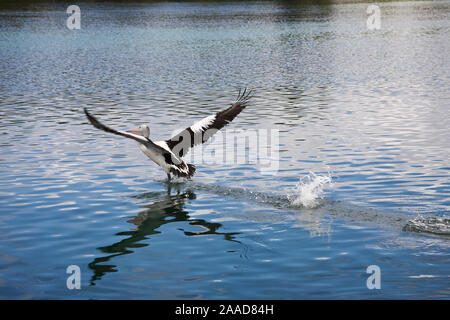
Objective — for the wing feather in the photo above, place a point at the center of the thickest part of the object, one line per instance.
(145, 141)
(204, 129)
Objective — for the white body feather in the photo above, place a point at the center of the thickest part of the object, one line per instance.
(159, 159)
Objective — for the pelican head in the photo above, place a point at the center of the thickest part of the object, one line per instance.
(142, 130)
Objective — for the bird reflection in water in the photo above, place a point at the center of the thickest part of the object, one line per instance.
(165, 208)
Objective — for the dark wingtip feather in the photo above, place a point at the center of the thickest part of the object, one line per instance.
(93, 120)
(244, 96)
(97, 124)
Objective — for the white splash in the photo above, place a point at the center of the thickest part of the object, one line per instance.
(310, 189)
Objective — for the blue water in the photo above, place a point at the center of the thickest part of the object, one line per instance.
(362, 157)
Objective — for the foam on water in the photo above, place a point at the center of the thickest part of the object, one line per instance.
(310, 189)
(431, 225)
(309, 194)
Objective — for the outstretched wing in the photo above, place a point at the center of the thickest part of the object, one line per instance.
(147, 142)
(202, 130)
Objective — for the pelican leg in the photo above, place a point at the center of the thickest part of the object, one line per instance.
(168, 177)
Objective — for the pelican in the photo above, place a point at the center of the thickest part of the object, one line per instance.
(167, 154)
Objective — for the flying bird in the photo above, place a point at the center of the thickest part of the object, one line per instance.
(167, 154)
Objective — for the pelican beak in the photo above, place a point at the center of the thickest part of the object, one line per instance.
(136, 131)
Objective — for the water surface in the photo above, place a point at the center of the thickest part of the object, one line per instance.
(366, 110)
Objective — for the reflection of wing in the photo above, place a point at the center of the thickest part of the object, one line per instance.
(164, 209)
(202, 130)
